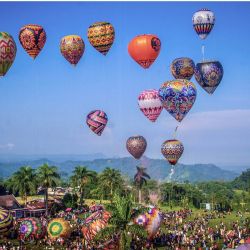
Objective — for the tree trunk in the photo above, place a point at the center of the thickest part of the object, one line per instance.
(81, 197)
(46, 202)
(139, 196)
(25, 200)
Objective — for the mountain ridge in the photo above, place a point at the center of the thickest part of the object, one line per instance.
(158, 169)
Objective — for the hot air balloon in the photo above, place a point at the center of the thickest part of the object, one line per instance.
(7, 52)
(101, 35)
(203, 22)
(97, 121)
(141, 220)
(6, 219)
(182, 68)
(177, 97)
(95, 223)
(136, 146)
(32, 37)
(58, 228)
(154, 222)
(72, 48)
(209, 75)
(172, 150)
(144, 49)
(31, 227)
(150, 104)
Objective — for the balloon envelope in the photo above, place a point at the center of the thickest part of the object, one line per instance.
(209, 75)
(6, 221)
(95, 223)
(97, 121)
(144, 49)
(31, 227)
(172, 150)
(136, 146)
(177, 97)
(150, 104)
(59, 228)
(32, 37)
(154, 222)
(203, 22)
(7, 52)
(182, 68)
(72, 48)
(101, 36)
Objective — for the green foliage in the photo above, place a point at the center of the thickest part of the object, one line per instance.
(243, 181)
(23, 182)
(48, 176)
(81, 178)
(70, 200)
(110, 181)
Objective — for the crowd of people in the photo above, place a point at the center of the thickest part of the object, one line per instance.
(184, 231)
(181, 230)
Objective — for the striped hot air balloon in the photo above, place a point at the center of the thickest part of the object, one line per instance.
(97, 121)
(6, 221)
(101, 36)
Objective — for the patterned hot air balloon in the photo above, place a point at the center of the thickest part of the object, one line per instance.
(144, 49)
(209, 75)
(32, 37)
(177, 97)
(172, 150)
(150, 104)
(182, 68)
(203, 22)
(72, 48)
(136, 146)
(154, 222)
(31, 227)
(141, 220)
(6, 221)
(7, 52)
(58, 228)
(101, 35)
(95, 223)
(97, 121)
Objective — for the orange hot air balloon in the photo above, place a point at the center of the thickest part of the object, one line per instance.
(144, 49)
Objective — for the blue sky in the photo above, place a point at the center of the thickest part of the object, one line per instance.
(43, 103)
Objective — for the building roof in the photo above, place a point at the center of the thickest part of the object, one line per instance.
(9, 202)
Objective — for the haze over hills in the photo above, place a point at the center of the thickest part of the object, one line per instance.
(157, 169)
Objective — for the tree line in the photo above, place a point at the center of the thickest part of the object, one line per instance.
(88, 184)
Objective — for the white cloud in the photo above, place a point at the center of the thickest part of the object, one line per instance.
(8, 146)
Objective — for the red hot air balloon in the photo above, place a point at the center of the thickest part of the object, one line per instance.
(172, 150)
(32, 37)
(144, 49)
(150, 104)
(136, 146)
(97, 121)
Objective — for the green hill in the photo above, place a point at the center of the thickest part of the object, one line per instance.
(157, 169)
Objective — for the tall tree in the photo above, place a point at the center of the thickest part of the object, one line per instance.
(140, 179)
(123, 213)
(111, 180)
(48, 177)
(24, 182)
(81, 176)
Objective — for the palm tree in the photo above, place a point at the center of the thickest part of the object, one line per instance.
(140, 179)
(24, 182)
(123, 214)
(48, 177)
(111, 180)
(81, 176)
